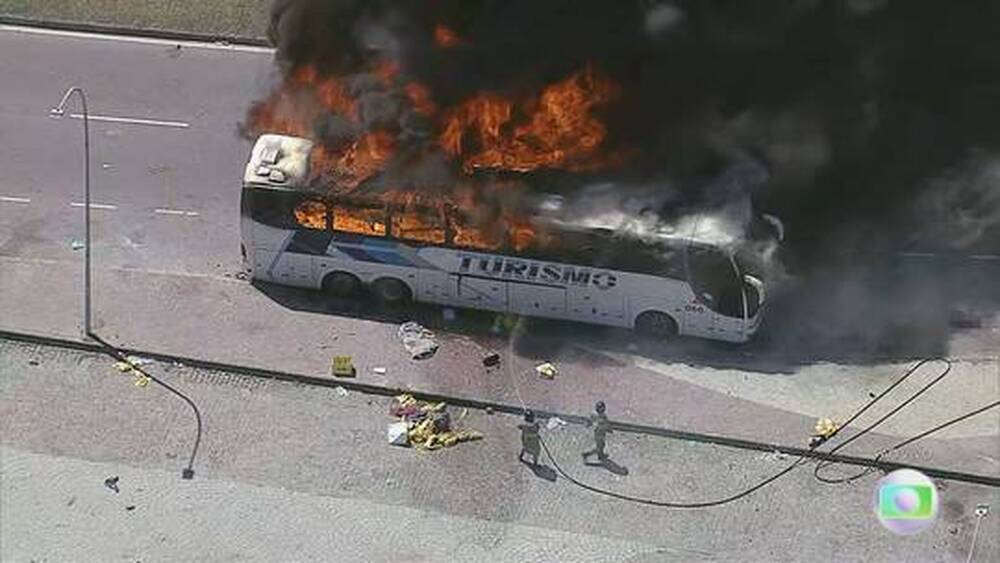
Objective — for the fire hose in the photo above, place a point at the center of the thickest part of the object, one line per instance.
(801, 460)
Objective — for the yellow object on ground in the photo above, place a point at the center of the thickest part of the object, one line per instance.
(142, 381)
(826, 427)
(421, 434)
(342, 366)
(546, 370)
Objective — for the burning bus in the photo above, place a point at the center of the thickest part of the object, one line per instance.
(532, 258)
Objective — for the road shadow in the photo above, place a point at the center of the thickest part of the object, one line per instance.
(610, 465)
(903, 312)
(542, 471)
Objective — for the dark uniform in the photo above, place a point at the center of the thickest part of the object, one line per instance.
(602, 427)
(531, 443)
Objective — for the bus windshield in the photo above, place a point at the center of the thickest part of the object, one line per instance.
(715, 280)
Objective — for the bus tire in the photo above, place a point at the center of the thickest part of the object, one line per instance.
(656, 325)
(390, 291)
(341, 284)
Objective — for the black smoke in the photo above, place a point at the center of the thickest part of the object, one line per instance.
(878, 120)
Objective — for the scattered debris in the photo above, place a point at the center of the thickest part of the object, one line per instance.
(427, 426)
(417, 340)
(142, 380)
(775, 456)
(824, 430)
(138, 360)
(379, 370)
(76, 244)
(448, 314)
(546, 370)
(398, 434)
(342, 366)
(555, 422)
(340, 391)
(112, 483)
(489, 410)
(491, 360)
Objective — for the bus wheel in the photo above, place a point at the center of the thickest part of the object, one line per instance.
(390, 291)
(656, 325)
(341, 284)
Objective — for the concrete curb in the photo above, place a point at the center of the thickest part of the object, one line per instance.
(110, 29)
(384, 391)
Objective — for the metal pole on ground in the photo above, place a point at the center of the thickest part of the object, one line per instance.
(59, 111)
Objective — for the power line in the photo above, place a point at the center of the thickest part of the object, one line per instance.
(795, 464)
(188, 472)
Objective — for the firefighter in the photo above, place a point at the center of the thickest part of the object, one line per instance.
(602, 427)
(530, 440)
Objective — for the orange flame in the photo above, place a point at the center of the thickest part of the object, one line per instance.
(347, 169)
(560, 131)
(556, 128)
(446, 38)
(420, 98)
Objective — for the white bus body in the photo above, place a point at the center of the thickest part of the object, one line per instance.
(284, 253)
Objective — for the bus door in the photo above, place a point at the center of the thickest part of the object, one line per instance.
(536, 299)
(596, 304)
(479, 293)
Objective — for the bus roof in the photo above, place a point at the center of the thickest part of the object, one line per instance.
(279, 161)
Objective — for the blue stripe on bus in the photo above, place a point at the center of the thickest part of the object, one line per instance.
(393, 258)
(369, 255)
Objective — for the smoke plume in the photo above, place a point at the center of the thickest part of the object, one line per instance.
(875, 122)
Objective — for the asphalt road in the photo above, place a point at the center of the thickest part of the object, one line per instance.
(166, 235)
(140, 172)
(291, 472)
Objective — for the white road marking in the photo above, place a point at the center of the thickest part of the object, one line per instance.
(163, 211)
(133, 120)
(984, 257)
(140, 40)
(11, 199)
(107, 206)
(151, 271)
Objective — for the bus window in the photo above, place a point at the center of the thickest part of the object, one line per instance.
(416, 226)
(311, 214)
(714, 281)
(630, 255)
(274, 208)
(359, 220)
(468, 234)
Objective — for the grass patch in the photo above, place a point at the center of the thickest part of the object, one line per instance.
(242, 18)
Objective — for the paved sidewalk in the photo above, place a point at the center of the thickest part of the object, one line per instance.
(288, 471)
(703, 388)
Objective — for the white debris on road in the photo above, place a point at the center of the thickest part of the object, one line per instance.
(417, 340)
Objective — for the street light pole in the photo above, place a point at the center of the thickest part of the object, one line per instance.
(59, 111)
